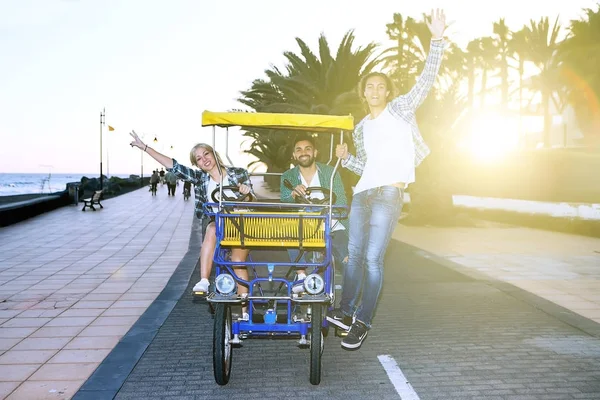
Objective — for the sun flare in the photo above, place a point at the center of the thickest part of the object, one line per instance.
(491, 136)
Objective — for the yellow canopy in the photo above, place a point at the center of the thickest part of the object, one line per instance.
(305, 122)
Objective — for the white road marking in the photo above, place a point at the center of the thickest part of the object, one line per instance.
(403, 387)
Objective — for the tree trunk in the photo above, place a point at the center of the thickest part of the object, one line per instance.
(471, 78)
(504, 77)
(521, 72)
(547, 118)
(400, 60)
(483, 89)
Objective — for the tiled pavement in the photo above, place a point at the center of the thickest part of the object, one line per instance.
(71, 291)
(559, 267)
(453, 336)
(72, 283)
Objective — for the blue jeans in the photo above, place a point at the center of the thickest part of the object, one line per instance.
(373, 218)
(339, 248)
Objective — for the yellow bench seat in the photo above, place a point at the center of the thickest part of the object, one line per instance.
(273, 229)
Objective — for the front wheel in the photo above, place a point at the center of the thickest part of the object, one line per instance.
(316, 343)
(222, 344)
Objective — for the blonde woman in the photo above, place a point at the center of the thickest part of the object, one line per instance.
(205, 180)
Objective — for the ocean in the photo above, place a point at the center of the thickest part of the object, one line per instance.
(14, 184)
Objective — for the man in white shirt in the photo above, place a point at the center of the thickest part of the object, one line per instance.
(388, 148)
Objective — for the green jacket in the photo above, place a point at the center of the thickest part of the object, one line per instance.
(324, 172)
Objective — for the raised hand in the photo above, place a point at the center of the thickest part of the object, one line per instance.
(137, 142)
(436, 23)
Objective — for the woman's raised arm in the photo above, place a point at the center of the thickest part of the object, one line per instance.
(161, 158)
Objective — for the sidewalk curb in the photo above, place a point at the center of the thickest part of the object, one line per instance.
(562, 314)
(106, 381)
(574, 226)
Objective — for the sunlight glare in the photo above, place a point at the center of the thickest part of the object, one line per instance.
(492, 136)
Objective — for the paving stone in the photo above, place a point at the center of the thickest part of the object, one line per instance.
(454, 337)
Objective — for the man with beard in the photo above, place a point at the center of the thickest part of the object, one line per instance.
(310, 173)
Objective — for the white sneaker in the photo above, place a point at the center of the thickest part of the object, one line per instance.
(299, 287)
(201, 286)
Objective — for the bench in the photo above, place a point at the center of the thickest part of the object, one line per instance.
(90, 201)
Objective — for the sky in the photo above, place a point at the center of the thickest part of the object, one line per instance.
(154, 66)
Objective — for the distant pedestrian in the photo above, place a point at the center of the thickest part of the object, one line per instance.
(162, 176)
(153, 182)
(187, 190)
(171, 179)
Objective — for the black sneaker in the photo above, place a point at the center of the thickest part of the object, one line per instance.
(339, 319)
(356, 336)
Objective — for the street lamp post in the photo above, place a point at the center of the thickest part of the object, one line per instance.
(102, 122)
(142, 165)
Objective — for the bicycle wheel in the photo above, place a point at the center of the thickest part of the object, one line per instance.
(316, 343)
(222, 348)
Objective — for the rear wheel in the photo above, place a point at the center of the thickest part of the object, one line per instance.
(316, 343)
(222, 343)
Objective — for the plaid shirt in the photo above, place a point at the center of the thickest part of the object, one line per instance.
(201, 178)
(403, 107)
(324, 172)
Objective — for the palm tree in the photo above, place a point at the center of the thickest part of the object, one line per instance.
(518, 50)
(407, 57)
(270, 148)
(455, 66)
(310, 83)
(488, 57)
(474, 63)
(580, 55)
(542, 44)
(400, 53)
(502, 41)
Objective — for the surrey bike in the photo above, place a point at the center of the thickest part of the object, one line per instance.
(268, 229)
